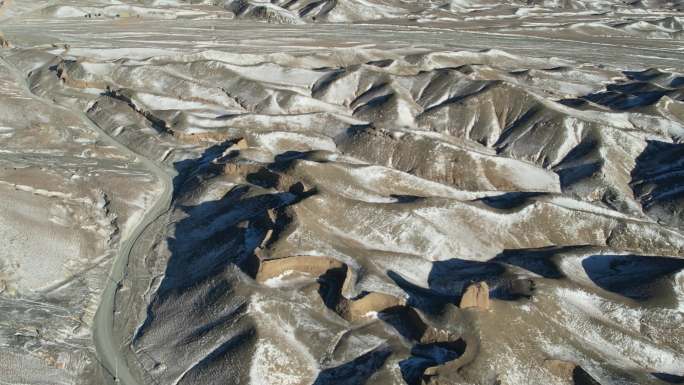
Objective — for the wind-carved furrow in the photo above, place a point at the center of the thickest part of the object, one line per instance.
(233, 345)
(448, 98)
(157, 123)
(656, 181)
(317, 8)
(326, 80)
(237, 99)
(376, 95)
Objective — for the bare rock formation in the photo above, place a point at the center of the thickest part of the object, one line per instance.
(476, 296)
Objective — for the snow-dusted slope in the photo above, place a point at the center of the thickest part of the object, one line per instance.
(308, 201)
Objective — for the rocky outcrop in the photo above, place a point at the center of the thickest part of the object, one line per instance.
(476, 296)
(4, 43)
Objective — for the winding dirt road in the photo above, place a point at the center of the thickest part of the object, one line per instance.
(108, 350)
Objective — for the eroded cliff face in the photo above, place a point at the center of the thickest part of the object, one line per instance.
(424, 209)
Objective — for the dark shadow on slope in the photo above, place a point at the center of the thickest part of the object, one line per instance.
(330, 286)
(626, 95)
(310, 8)
(581, 377)
(581, 162)
(669, 378)
(326, 81)
(454, 275)
(621, 101)
(575, 103)
(455, 99)
(631, 276)
(214, 237)
(514, 289)
(407, 198)
(203, 368)
(634, 87)
(659, 166)
(199, 166)
(230, 317)
(658, 177)
(219, 232)
(269, 177)
(643, 89)
(426, 300)
(288, 156)
(510, 200)
(424, 356)
(537, 261)
(646, 75)
(446, 283)
(527, 119)
(283, 161)
(123, 95)
(406, 321)
(264, 178)
(654, 75)
(677, 82)
(375, 103)
(356, 372)
(381, 63)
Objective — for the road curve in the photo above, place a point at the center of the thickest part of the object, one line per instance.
(108, 349)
